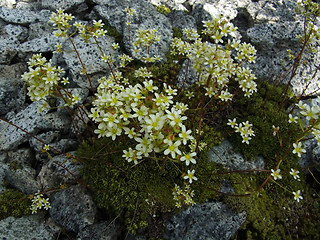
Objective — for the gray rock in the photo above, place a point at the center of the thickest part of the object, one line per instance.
(32, 5)
(12, 95)
(274, 11)
(57, 171)
(47, 137)
(25, 228)
(90, 55)
(16, 31)
(180, 5)
(316, 156)
(27, 119)
(55, 121)
(40, 29)
(8, 3)
(310, 157)
(112, 12)
(22, 16)
(3, 170)
(224, 154)
(71, 211)
(13, 71)
(23, 178)
(65, 145)
(19, 172)
(22, 156)
(104, 230)
(148, 18)
(81, 122)
(8, 48)
(66, 5)
(187, 75)
(181, 20)
(46, 43)
(208, 221)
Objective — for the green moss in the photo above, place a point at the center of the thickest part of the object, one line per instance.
(134, 193)
(272, 213)
(163, 9)
(14, 203)
(15, 165)
(264, 109)
(177, 32)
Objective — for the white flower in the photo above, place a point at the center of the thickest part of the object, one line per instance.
(232, 123)
(292, 119)
(172, 148)
(185, 135)
(190, 176)
(276, 174)
(297, 195)
(294, 173)
(189, 158)
(298, 149)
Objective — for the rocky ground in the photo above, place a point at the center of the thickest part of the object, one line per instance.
(270, 25)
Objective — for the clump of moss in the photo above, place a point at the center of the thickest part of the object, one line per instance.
(163, 9)
(134, 192)
(14, 203)
(264, 110)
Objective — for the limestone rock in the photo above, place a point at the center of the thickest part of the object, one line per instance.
(25, 228)
(22, 16)
(56, 171)
(91, 58)
(16, 31)
(12, 95)
(71, 211)
(27, 119)
(224, 154)
(66, 5)
(208, 221)
(104, 230)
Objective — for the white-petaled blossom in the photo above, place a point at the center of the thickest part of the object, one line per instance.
(295, 173)
(276, 174)
(190, 176)
(244, 128)
(183, 196)
(188, 158)
(39, 202)
(292, 119)
(275, 130)
(42, 77)
(298, 149)
(297, 195)
(172, 148)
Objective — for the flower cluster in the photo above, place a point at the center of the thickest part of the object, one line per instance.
(42, 77)
(144, 38)
(146, 114)
(183, 196)
(95, 31)
(277, 175)
(61, 21)
(38, 202)
(311, 11)
(214, 63)
(309, 121)
(244, 128)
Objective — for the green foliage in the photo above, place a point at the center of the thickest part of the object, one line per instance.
(272, 213)
(13, 203)
(163, 9)
(265, 109)
(135, 193)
